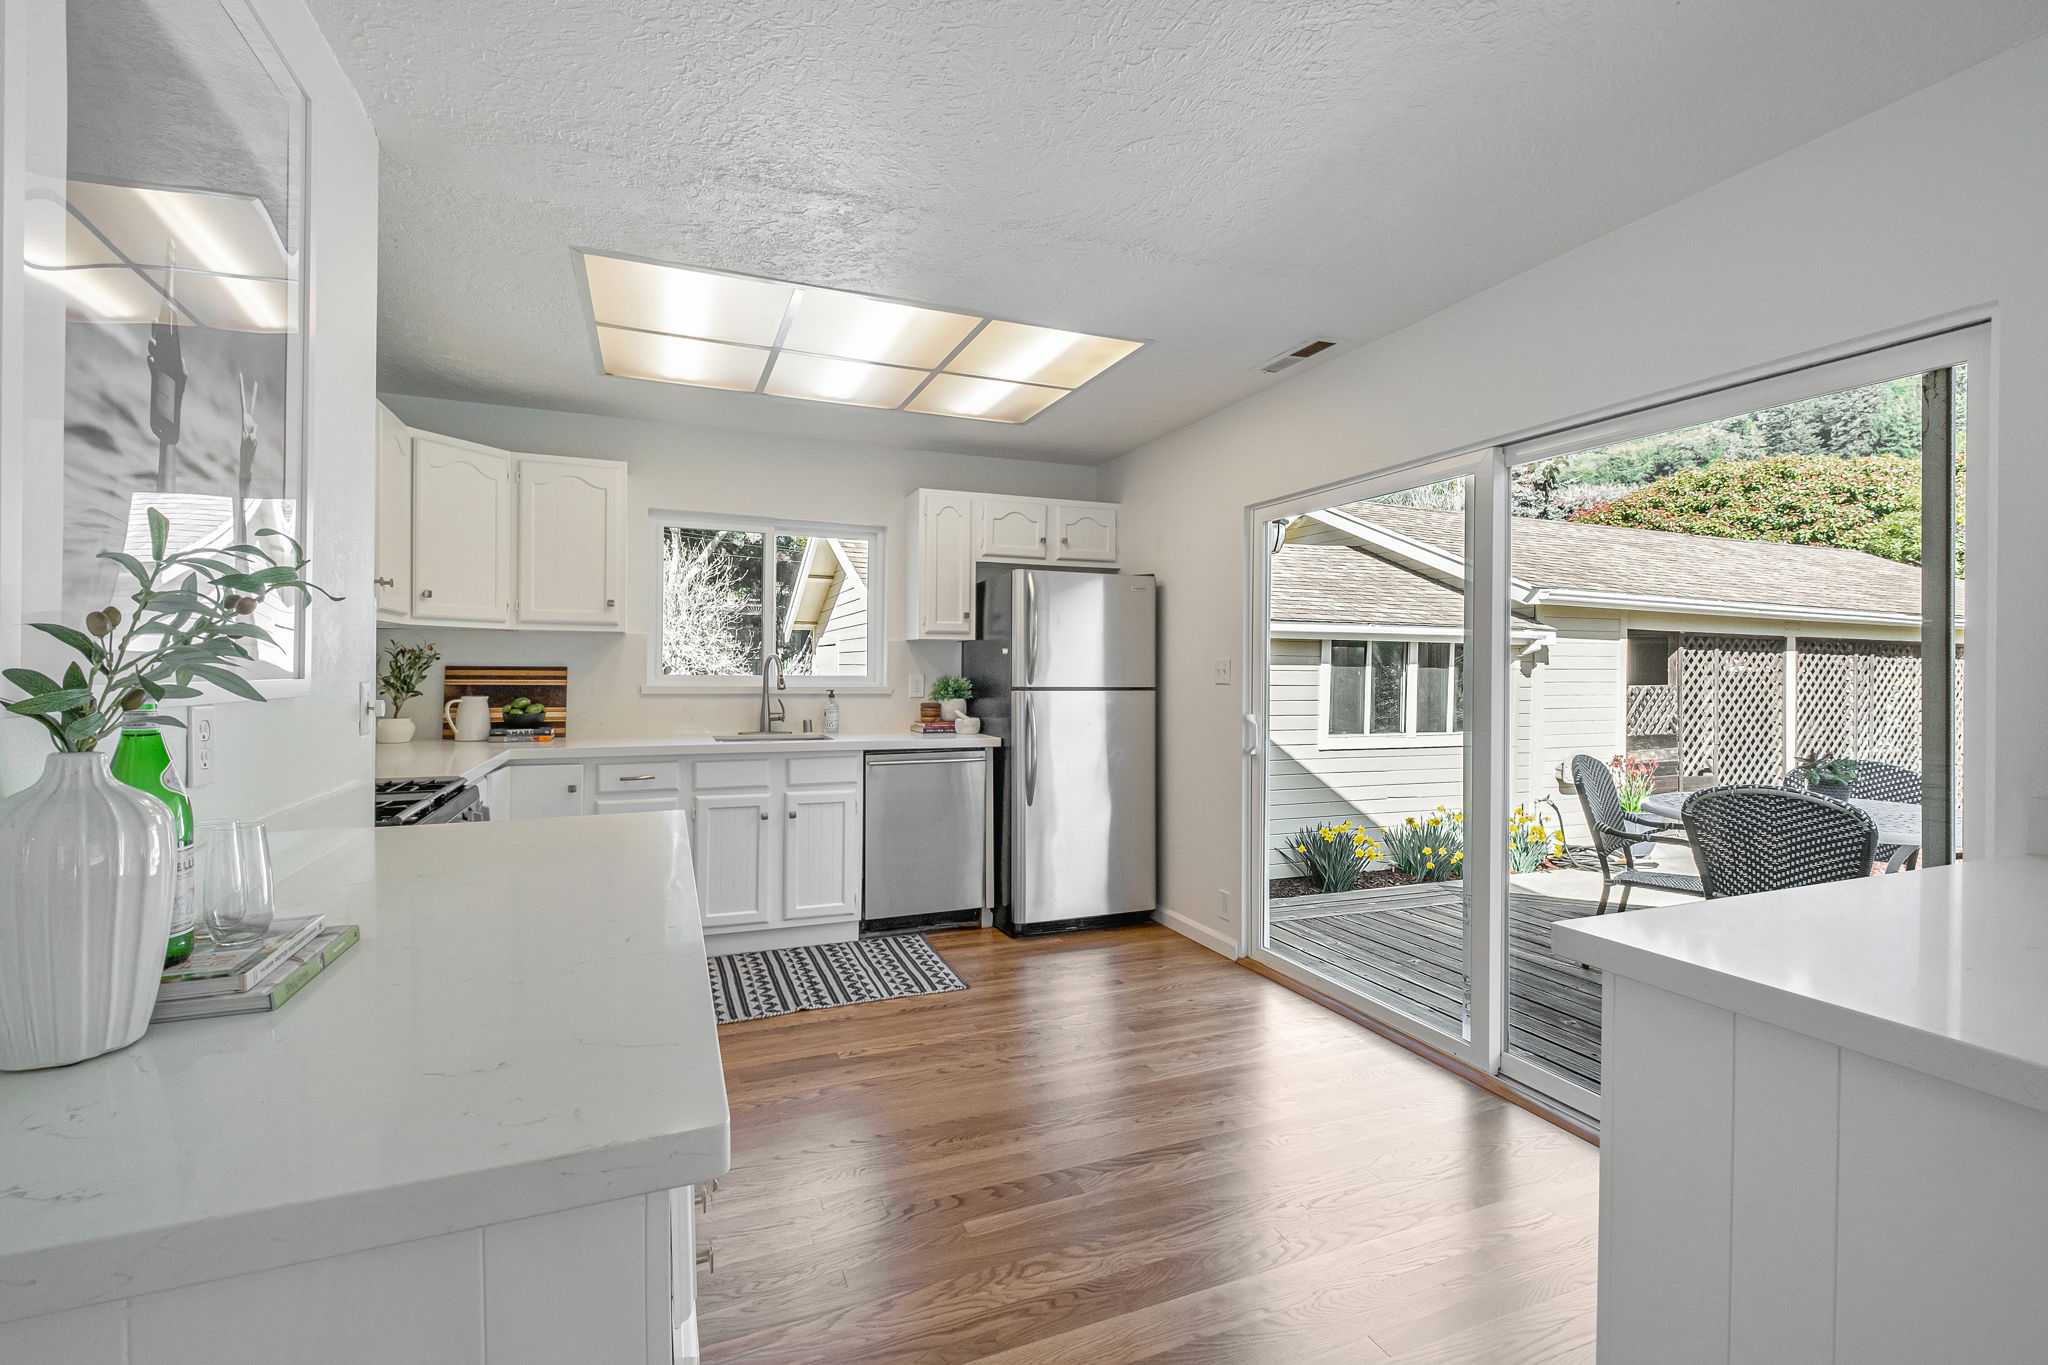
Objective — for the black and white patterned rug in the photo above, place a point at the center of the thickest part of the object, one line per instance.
(785, 980)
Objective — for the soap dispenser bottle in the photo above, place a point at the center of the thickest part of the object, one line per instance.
(831, 712)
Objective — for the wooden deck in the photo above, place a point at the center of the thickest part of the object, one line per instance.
(1412, 954)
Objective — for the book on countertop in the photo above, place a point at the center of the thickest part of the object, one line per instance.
(285, 980)
(500, 735)
(223, 971)
(940, 727)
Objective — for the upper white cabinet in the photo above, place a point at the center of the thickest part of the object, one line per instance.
(394, 516)
(472, 536)
(461, 532)
(952, 532)
(1086, 533)
(1012, 528)
(571, 542)
(942, 565)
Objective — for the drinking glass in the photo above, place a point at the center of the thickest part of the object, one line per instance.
(234, 881)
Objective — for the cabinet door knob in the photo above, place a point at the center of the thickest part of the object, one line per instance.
(1063, 542)
(385, 582)
(792, 815)
(572, 786)
(764, 815)
(426, 592)
(610, 602)
(963, 615)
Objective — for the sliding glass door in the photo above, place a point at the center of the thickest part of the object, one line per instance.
(1473, 673)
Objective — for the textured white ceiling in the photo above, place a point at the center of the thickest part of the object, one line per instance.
(1225, 179)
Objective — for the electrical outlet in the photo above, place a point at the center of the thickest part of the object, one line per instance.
(1223, 672)
(917, 686)
(1223, 904)
(199, 747)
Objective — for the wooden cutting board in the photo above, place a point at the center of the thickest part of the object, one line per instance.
(546, 684)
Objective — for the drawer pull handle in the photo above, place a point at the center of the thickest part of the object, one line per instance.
(638, 777)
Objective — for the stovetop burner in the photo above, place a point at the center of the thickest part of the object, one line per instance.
(425, 801)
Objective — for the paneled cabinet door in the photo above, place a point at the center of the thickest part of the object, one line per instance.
(1013, 528)
(945, 573)
(733, 840)
(394, 516)
(539, 790)
(572, 542)
(821, 855)
(461, 531)
(1087, 534)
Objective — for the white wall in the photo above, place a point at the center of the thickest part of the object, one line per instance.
(1803, 256)
(694, 469)
(299, 760)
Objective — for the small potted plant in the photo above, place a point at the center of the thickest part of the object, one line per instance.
(951, 692)
(86, 862)
(398, 682)
(1834, 778)
(1634, 780)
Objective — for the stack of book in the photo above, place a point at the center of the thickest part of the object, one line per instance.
(255, 977)
(539, 734)
(932, 727)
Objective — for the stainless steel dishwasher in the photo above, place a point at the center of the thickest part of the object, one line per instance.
(928, 833)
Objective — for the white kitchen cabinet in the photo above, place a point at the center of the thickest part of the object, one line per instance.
(394, 517)
(1087, 533)
(541, 790)
(571, 542)
(461, 532)
(942, 565)
(734, 839)
(1012, 529)
(821, 853)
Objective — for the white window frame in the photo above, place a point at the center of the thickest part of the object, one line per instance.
(659, 520)
(1407, 737)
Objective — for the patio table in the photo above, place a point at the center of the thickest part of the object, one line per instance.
(1898, 822)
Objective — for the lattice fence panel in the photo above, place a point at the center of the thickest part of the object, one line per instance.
(1652, 709)
(1860, 699)
(1731, 699)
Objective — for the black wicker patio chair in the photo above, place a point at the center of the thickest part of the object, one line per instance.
(1614, 841)
(1751, 839)
(1875, 781)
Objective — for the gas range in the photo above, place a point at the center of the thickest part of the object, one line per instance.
(428, 801)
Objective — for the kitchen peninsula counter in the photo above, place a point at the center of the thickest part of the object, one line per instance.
(497, 1090)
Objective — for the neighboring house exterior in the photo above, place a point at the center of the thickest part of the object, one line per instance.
(1721, 659)
(831, 606)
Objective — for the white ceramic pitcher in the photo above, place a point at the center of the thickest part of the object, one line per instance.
(469, 717)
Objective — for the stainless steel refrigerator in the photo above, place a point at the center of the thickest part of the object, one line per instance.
(1065, 674)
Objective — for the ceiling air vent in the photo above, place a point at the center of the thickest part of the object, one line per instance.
(1295, 357)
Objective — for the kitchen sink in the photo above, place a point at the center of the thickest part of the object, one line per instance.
(766, 737)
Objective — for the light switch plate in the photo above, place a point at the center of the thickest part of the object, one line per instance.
(1223, 672)
(199, 746)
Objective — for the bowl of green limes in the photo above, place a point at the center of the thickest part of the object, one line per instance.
(524, 713)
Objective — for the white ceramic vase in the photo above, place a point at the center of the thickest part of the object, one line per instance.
(86, 873)
(394, 730)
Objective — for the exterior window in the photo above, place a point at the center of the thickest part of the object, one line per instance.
(1395, 687)
(733, 593)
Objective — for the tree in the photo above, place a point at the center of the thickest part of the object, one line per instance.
(1870, 504)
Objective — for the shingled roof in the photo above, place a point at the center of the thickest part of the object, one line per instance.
(1343, 583)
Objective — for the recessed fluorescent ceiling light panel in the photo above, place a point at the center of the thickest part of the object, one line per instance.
(684, 326)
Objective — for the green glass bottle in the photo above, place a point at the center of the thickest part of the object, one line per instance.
(142, 761)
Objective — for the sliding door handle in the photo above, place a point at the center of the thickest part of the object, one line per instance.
(1251, 736)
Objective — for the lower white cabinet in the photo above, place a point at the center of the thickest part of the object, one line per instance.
(821, 857)
(540, 790)
(733, 838)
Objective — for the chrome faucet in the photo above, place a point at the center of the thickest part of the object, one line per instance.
(772, 712)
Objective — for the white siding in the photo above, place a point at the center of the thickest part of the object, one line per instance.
(843, 628)
(1583, 670)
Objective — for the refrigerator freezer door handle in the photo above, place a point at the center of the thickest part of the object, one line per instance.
(1030, 629)
(1030, 755)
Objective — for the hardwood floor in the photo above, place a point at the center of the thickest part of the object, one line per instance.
(1118, 1146)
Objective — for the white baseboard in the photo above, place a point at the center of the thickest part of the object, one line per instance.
(1210, 937)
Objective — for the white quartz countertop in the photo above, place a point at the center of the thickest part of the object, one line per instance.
(525, 1027)
(428, 758)
(1944, 971)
